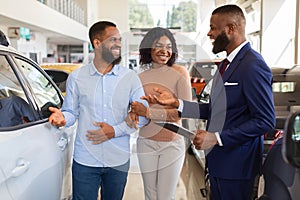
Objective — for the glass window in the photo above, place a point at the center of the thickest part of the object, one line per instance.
(149, 13)
(42, 88)
(9, 84)
(283, 87)
(296, 135)
(14, 106)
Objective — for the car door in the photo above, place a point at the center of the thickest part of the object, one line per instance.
(35, 157)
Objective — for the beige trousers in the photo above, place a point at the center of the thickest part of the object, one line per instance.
(160, 164)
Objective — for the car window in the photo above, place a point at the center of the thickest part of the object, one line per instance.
(283, 87)
(14, 107)
(59, 73)
(204, 70)
(9, 84)
(43, 89)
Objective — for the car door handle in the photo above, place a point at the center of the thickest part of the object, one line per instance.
(21, 168)
(62, 143)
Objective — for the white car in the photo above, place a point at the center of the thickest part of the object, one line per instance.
(35, 157)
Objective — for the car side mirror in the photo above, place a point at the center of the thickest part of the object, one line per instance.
(45, 109)
(291, 140)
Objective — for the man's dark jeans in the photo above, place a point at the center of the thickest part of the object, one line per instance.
(87, 180)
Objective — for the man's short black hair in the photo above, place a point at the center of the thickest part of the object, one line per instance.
(229, 9)
(97, 29)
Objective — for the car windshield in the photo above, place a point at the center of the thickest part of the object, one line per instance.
(204, 70)
(286, 86)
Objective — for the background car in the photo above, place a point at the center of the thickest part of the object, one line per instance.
(59, 73)
(286, 92)
(201, 72)
(281, 167)
(35, 157)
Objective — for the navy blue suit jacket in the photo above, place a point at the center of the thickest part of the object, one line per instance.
(241, 109)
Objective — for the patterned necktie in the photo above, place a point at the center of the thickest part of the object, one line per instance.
(223, 66)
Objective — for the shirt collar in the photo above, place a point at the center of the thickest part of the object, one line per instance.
(231, 56)
(114, 71)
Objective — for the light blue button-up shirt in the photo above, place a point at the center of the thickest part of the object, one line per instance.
(94, 97)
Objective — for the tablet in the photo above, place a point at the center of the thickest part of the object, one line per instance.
(177, 129)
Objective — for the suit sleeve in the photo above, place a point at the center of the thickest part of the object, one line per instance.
(195, 110)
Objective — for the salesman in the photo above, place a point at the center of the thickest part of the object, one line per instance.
(240, 110)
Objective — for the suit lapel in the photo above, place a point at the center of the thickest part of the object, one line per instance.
(236, 62)
(218, 90)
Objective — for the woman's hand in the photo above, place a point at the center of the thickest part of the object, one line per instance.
(132, 120)
(163, 97)
(138, 108)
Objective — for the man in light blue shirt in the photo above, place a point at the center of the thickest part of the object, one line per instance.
(98, 96)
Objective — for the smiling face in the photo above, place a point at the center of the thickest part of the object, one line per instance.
(108, 45)
(111, 46)
(161, 50)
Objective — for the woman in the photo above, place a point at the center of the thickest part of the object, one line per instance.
(160, 152)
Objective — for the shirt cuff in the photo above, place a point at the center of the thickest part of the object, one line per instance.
(123, 129)
(218, 138)
(180, 107)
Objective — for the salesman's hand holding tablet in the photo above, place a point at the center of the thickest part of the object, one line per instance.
(201, 138)
(205, 140)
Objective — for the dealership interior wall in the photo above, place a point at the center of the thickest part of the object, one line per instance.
(59, 28)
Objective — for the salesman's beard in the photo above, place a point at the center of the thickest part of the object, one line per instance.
(220, 43)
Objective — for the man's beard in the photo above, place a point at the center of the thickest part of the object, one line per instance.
(220, 43)
(109, 57)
